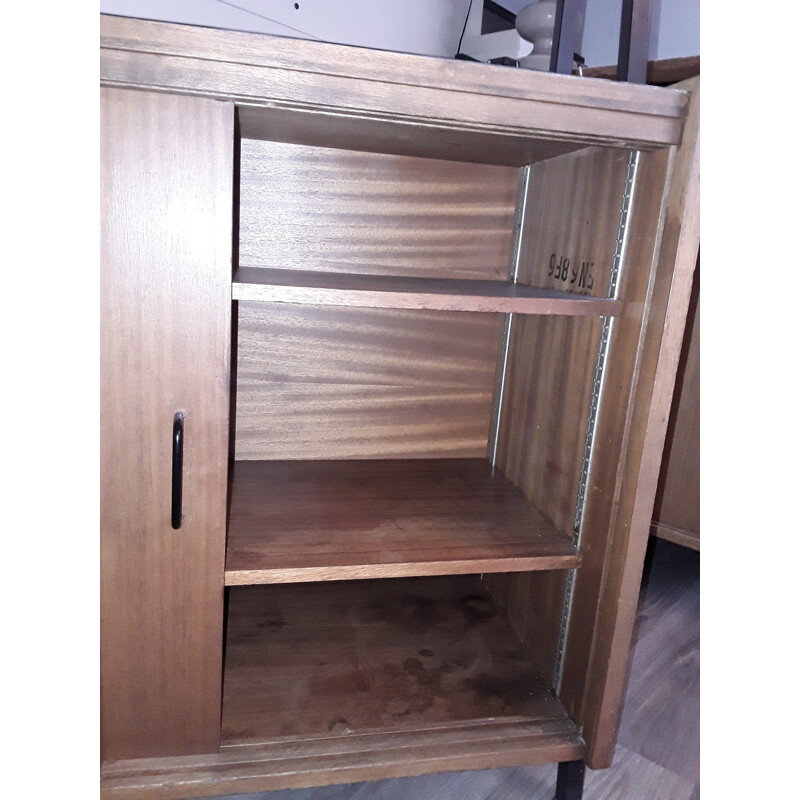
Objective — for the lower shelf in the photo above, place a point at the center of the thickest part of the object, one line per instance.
(362, 680)
(383, 672)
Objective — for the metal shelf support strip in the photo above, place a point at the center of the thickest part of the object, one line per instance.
(606, 331)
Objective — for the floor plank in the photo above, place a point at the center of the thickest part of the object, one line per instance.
(660, 715)
(634, 777)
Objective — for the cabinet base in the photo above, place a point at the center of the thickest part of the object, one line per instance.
(298, 765)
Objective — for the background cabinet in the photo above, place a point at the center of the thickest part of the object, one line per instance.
(676, 516)
(415, 313)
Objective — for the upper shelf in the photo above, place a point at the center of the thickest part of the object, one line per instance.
(389, 291)
(318, 93)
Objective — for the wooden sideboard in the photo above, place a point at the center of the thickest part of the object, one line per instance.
(388, 346)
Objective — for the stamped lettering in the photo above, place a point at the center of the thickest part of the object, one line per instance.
(564, 270)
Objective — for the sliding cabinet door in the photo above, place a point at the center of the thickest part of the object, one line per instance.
(166, 195)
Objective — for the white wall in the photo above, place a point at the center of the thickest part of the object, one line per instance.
(678, 28)
(674, 30)
(427, 27)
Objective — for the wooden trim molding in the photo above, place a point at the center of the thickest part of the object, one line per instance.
(335, 83)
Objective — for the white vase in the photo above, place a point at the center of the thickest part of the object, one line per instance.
(535, 23)
(535, 20)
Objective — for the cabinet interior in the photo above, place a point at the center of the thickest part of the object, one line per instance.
(406, 442)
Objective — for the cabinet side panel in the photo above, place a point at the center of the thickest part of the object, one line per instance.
(363, 383)
(543, 425)
(570, 242)
(598, 605)
(545, 408)
(569, 235)
(643, 357)
(166, 199)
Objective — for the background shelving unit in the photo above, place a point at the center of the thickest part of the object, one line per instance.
(413, 313)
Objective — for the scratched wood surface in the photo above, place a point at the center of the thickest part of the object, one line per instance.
(317, 660)
(657, 756)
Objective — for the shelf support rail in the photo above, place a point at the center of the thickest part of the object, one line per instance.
(523, 181)
(606, 331)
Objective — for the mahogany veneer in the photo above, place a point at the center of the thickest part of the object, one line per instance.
(422, 321)
(334, 520)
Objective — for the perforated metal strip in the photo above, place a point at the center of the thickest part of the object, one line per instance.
(606, 330)
(519, 222)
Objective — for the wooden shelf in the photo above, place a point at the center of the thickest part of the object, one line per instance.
(389, 291)
(293, 521)
(395, 672)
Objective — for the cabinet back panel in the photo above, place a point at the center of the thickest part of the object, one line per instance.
(317, 208)
(363, 383)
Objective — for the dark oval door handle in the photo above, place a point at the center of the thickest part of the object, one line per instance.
(177, 470)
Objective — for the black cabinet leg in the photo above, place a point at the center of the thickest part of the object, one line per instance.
(569, 784)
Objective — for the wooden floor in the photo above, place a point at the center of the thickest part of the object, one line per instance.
(658, 750)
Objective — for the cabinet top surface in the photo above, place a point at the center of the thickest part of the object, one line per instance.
(379, 65)
(289, 78)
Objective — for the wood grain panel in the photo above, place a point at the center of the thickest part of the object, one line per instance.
(535, 605)
(540, 447)
(571, 221)
(363, 383)
(305, 521)
(381, 66)
(533, 602)
(315, 208)
(165, 321)
(545, 409)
